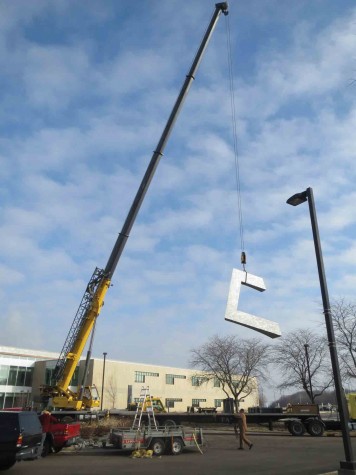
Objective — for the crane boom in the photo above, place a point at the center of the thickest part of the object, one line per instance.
(93, 298)
(157, 154)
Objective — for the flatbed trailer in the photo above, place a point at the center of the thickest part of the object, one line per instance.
(164, 439)
(78, 416)
(297, 423)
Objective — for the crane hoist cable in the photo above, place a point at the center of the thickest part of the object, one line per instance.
(234, 133)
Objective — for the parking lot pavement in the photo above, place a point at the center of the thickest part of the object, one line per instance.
(270, 455)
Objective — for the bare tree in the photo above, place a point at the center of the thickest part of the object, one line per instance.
(344, 320)
(295, 364)
(234, 363)
(262, 397)
(111, 390)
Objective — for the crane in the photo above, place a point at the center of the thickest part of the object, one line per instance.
(93, 299)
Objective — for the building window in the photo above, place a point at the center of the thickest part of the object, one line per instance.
(15, 376)
(217, 402)
(12, 377)
(49, 380)
(140, 376)
(196, 402)
(171, 400)
(237, 384)
(216, 383)
(198, 380)
(171, 377)
(4, 374)
(9, 400)
(20, 381)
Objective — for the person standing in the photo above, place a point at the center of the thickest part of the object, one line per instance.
(241, 424)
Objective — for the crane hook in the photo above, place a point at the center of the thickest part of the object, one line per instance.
(243, 259)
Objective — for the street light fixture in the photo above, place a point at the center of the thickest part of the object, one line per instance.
(306, 346)
(102, 382)
(297, 199)
(349, 465)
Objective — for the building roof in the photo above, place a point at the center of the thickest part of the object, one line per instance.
(49, 355)
(23, 352)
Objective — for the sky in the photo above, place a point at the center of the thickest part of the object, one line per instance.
(86, 90)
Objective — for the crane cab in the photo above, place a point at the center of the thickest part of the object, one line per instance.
(88, 400)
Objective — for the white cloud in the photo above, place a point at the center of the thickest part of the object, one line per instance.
(85, 98)
(54, 75)
(9, 276)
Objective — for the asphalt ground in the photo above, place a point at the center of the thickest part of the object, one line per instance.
(272, 453)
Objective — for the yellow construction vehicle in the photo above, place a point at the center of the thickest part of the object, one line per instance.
(93, 300)
(154, 402)
(82, 327)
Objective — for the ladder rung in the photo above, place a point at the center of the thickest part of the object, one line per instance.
(144, 397)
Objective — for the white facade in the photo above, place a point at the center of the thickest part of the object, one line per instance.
(16, 375)
(177, 388)
(23, 371)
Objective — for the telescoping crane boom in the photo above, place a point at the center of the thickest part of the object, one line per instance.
(93, 299)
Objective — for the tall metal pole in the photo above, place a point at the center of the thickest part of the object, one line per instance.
(348, 466)
(102, 382)
(306, 346)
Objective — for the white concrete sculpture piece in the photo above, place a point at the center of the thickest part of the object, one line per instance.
(267, 327)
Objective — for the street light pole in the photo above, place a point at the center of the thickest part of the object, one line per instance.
(306, 346)
(348, 466)
(102, 382)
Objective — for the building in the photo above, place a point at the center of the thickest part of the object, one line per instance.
(178, 388)
(16, 374)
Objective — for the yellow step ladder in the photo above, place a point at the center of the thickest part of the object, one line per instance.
(145, 405)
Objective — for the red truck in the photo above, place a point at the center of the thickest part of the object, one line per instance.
(58, 434)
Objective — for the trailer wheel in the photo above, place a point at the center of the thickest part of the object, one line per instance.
(315, 428)
(157, 446)
(170, 424)
(176, 446)
(296, 428)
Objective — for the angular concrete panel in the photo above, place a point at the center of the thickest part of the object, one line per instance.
(262, 325)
